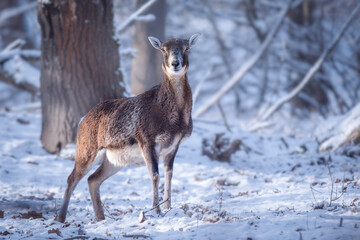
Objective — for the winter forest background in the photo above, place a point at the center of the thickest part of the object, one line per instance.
(276, 107)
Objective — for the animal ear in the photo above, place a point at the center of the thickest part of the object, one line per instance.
(156, 43)
(193, 39)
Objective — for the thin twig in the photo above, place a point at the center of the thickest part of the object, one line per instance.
(223, 116)
(343, 189)
(107, 210)
(312, 192)
(220, 199)
(55, 209)
(331, 179)
(163, 215)
(249, 10)
(157, 205)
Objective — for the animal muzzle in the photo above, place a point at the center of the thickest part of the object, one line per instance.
(175, 62)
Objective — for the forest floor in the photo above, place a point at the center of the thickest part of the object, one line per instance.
(274, 187)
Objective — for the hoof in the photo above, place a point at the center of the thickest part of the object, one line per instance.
(157, 210)
(60, 219)
(100, 218)
(166, 205)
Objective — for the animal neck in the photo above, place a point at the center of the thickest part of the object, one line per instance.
(177, 89)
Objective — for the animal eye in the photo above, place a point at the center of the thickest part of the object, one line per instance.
(163, 50)
(187, 49)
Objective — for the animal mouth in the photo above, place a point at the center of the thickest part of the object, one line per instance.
(175, 70)
(178, 68)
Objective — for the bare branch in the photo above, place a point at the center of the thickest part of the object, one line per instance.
(11, 50)
(223, 116)
(21, 85)
(247, 66)
(312, 70)
(146, 18)
(4, 56)
(249, 12)
(134, 16)
(18, 43)
(14, 48)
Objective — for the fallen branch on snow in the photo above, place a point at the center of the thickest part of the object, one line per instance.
(27, 53)
(10, 51)
(345, 131)
(14, 48)
(20, 85)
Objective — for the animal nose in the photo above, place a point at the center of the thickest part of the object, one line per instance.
(175, 63)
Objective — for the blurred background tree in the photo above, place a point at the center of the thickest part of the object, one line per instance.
(146, 71)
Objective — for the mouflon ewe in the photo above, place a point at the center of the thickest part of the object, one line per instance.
(137, 130)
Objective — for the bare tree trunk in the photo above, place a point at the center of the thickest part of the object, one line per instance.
(146, 66)
(79, 65)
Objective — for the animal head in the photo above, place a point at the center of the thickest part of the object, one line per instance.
(175, 53)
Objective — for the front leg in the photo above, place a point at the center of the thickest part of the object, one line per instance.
(152, 163)
(168, 168)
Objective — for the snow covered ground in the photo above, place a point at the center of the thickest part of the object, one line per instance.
(275, 187)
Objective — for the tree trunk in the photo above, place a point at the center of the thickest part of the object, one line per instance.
(146, 66)
(79, 65)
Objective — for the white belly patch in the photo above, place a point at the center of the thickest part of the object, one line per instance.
(128, 156)
(132, 155)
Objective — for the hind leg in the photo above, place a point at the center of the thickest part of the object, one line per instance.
(72, 181)
(82, 167)
(105, 171)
